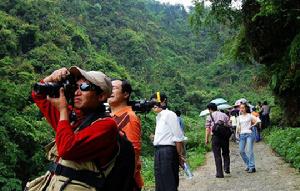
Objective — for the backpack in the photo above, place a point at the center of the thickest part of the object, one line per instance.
(125, 164)
(221, 129)
(121, 176)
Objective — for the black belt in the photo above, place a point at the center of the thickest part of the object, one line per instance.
(89, 177)
(163, 146)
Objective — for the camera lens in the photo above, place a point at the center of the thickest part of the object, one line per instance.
(50, 89)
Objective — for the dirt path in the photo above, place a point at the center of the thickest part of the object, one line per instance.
(272, 174)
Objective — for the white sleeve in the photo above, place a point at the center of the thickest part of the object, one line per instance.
(175, 128)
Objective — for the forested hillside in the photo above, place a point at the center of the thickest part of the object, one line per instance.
(150, 44)
(269, 35)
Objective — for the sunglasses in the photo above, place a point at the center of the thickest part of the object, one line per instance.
(88, 87)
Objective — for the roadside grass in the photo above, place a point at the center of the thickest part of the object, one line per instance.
(286, 142)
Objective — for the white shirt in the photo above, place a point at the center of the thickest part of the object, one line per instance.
(244, 121)
(167, 130)
(233, 121)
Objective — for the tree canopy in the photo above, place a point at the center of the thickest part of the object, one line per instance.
(269, 35)
(150, 44)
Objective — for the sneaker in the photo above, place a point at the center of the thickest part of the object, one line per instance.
(227, 171)
(189, 177)
(252, 170)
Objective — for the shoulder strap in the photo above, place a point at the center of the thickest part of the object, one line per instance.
(212, 117)
(89, 119)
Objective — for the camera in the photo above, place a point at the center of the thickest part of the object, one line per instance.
(52, 89)
(142, 106)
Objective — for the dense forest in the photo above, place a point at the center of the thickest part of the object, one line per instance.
(150, 44)
(269, 34)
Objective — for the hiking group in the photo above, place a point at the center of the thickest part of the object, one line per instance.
(99, 149)
(242, 125)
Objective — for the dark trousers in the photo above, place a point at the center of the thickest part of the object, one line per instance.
(166, 168)
(218, 145)
(265, 121)
(136, 187)
(232, 137)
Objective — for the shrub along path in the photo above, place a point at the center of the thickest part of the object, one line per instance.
(272, 174)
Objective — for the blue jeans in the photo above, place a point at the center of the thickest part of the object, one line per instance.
(247, 141)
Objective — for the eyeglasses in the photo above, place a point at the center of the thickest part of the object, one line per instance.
(88, 87)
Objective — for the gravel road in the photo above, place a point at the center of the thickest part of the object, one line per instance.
(272, 174)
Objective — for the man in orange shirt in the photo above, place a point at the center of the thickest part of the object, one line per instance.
(127, 122)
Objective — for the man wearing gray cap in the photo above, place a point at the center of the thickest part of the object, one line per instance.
(85, 149)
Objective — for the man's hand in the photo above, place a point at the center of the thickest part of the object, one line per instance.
(151, 137)
(207, 135)
(60, 104)
(180, 150)
(182, 160)
(57, 75)
(206, 141)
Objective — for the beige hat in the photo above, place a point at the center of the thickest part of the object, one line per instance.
(96, 77)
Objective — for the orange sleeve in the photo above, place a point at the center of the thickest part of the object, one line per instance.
(133, 133)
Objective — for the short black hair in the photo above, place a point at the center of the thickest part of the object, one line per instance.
(163, 98)
(212, 106)
(126, 87)
(234, 113)
(265, 103)
(178, 113)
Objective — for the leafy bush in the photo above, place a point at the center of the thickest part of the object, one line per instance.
(148, 170)
(276, 115)
(286, 142)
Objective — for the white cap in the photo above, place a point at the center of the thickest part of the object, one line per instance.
(95, 77)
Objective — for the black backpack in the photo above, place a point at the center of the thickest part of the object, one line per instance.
(125, 163)
(121, 176)
(221, 129)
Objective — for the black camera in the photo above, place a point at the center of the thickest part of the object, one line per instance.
(52, 89)
(142, 106)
